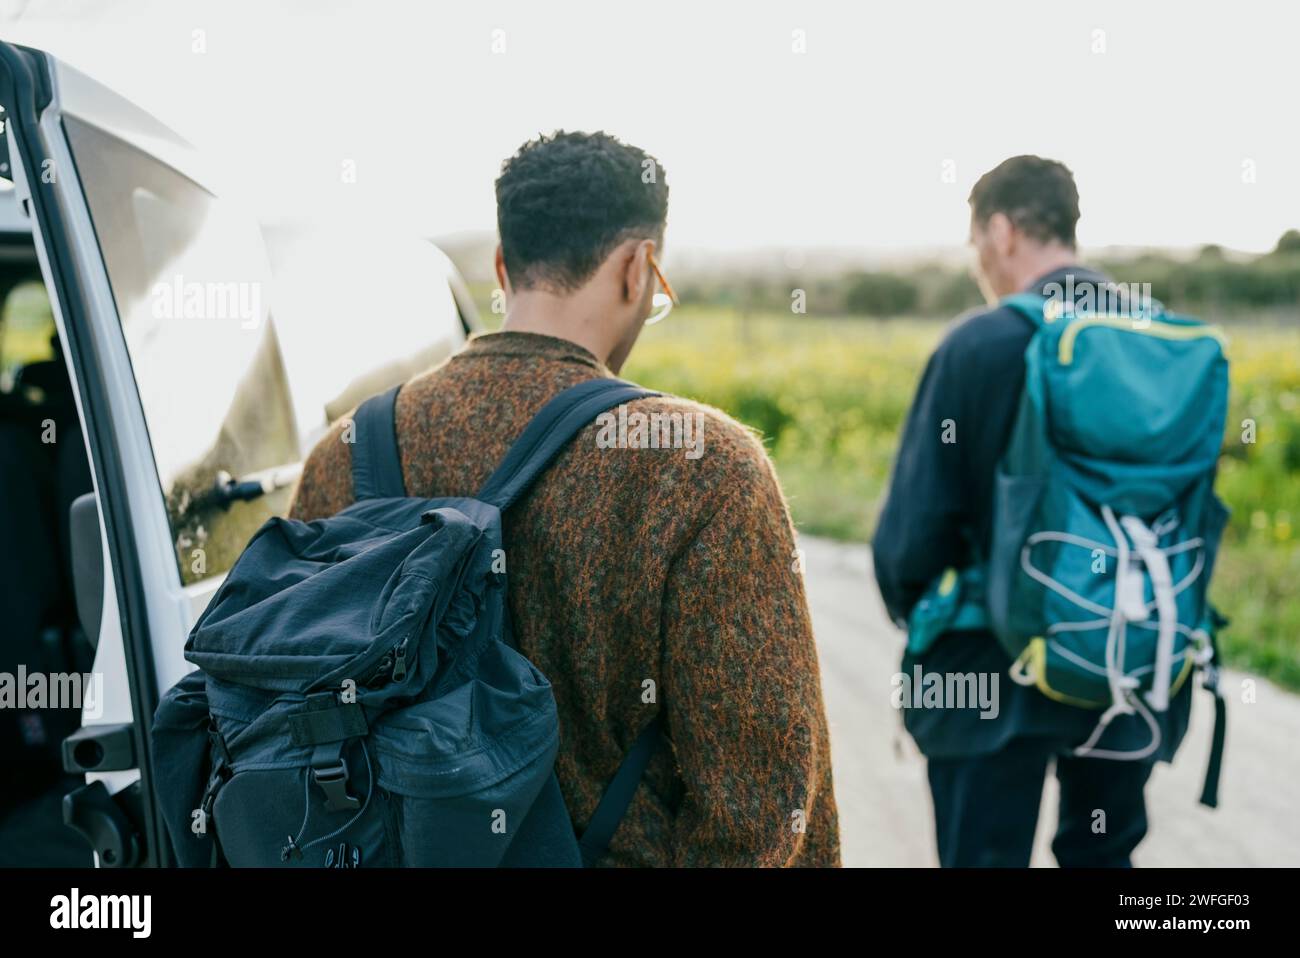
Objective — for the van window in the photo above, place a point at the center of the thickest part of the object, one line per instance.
(26, 331)
(189, 276)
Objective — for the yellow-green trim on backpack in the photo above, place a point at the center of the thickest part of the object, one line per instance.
(948, 582)
(1065, 347)
(1189, 664)
(1033, 663)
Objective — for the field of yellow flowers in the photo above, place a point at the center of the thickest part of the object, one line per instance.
(829, 397)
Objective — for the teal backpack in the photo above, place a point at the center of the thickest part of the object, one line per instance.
(1105, 521)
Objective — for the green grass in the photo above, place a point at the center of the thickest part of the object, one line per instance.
(830, 395)
(1257, 582)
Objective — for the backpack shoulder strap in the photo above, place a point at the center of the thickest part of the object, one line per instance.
(545, 435)
(618, 795)
(1029, 305)
(376, 465)
(550, 431)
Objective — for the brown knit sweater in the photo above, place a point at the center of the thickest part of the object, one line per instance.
(639, 580)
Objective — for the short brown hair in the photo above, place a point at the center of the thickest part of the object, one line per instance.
(1037, 195)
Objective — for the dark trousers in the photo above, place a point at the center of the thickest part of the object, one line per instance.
(986, 807)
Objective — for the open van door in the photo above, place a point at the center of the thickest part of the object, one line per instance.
(194, 408)
(159, 292)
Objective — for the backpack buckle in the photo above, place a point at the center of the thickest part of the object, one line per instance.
(333, 781)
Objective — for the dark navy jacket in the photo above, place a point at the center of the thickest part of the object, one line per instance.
(938, 515)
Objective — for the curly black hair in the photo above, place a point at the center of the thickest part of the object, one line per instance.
(566, 200)
(1037, 195)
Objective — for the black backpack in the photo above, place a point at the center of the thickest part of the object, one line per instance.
(360, 699)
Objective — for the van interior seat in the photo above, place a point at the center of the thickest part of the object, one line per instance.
(39, 480)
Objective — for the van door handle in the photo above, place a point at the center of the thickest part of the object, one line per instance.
(100, 748)
(87, 564)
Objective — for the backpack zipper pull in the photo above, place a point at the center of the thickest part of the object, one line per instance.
(291, 850)
(378, 673)
(399, 662)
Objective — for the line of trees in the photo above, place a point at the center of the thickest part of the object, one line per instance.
(1211, 283)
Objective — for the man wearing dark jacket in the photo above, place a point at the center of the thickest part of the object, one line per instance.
(986, 773)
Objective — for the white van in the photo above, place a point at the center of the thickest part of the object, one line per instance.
(165, 365)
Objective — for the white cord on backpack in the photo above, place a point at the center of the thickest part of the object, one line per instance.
(1129, 607)
(1122, 686)
(1157, 565)
(1115, 677)
(1089, 750)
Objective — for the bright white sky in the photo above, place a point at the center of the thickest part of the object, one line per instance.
(843, 145)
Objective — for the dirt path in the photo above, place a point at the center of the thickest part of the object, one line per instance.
(885, 814)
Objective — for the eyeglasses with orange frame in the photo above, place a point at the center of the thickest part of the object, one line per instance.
(662, 304)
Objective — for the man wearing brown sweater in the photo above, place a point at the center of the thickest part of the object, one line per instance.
(640, 579)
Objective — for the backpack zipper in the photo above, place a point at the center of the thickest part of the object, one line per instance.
(399, 662)
(394, 662)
